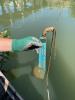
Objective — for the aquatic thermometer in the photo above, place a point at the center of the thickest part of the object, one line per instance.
(41, 70)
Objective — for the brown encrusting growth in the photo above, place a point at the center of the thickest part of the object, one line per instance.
(38, 73)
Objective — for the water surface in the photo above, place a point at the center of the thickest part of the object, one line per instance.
(29, 17)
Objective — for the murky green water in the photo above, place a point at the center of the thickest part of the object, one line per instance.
(29, 17)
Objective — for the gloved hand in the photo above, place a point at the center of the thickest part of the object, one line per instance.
(27, 43)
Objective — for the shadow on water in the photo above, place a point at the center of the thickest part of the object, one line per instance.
(23, 63)
(20, 75)
(27, 89)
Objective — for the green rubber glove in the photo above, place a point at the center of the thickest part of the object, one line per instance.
(27, 43)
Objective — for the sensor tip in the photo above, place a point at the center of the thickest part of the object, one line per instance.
(38, 73)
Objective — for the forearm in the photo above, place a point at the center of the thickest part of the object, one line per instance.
(5, 44)
(13, 45)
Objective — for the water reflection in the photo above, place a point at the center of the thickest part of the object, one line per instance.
(72, 8)
(19, 9)
(7, 6)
